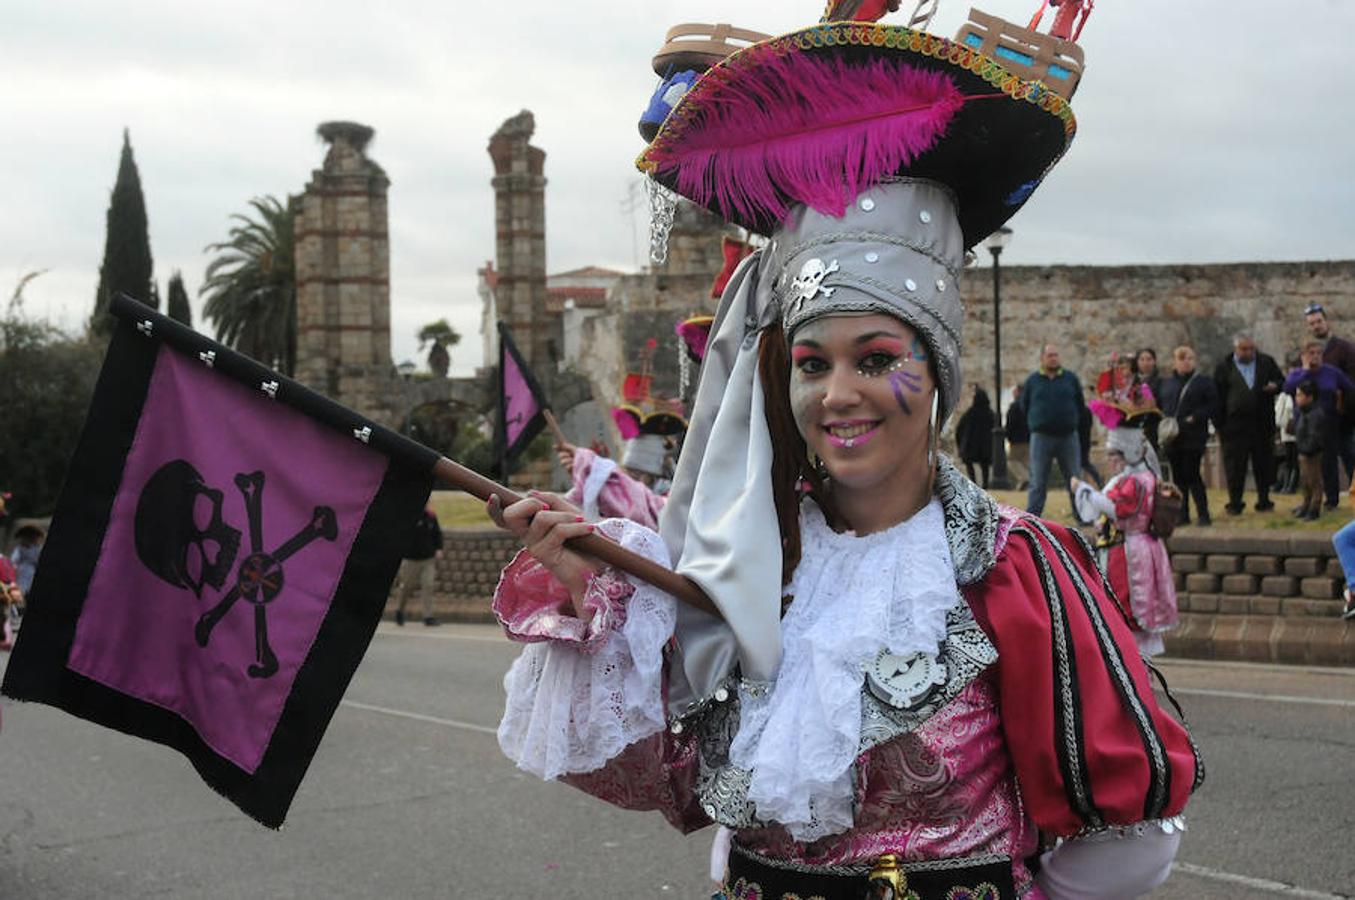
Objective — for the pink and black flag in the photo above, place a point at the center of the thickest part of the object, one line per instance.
(218, 560)
(521, 402)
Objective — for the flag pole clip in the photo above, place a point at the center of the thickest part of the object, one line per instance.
(270, 388)
(208, 357)
(363, 434)
(145, 326)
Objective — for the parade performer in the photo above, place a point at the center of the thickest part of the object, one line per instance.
(1130, 554)
(604, 489)
(905, 684)
(633, 489)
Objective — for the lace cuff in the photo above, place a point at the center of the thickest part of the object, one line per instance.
(532, 605)
(568, 712)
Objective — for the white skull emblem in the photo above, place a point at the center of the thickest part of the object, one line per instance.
(809, 283)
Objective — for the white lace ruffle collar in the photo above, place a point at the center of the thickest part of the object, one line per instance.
(853, 597)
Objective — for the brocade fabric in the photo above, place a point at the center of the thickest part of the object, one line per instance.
(1032, 741)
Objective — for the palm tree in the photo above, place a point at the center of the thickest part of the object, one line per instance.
(442, 335)
(251, 287)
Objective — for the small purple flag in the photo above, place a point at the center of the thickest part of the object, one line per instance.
(521, 401)
(218, 561)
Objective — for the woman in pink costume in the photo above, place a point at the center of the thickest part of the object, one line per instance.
(1133, 557)
(908, 692)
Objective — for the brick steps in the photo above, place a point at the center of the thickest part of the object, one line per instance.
(1260, 597)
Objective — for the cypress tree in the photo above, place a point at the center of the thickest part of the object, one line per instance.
(126, 264)
(177, 301)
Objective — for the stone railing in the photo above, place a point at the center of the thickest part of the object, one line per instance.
(1261, 596)
(466, 576)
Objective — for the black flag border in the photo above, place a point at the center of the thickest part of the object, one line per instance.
(37, 666)
(503, 453)
(256, 376)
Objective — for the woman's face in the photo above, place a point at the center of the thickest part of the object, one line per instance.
(1146, 363)
(861, 390)
(1115, 462)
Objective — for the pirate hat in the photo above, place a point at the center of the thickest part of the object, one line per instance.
(659, 418)
(821, 114)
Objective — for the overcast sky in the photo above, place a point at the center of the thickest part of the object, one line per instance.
(1209, 130)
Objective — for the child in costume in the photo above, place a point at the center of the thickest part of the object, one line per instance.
(1132, 557)
(1311, 425)
(604, 489)
(906, 683)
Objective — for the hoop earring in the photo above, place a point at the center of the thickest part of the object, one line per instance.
(933, 442)
(816, 463)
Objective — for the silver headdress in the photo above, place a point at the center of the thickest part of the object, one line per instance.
(898, 250)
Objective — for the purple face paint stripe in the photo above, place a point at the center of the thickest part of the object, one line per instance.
(898, 380)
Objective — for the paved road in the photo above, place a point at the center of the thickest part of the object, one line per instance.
(409, 797)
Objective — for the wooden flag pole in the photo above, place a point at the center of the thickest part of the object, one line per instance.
(458, 476)
(554, 426)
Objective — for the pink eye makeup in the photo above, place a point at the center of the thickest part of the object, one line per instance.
(878, 355)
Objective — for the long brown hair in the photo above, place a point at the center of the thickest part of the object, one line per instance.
(790, 455)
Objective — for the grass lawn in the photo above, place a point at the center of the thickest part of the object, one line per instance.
(459, 510)
(1058, 508)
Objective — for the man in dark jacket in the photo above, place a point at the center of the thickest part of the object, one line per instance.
(1052, 399)
(1193, 399)
(1247, 382)
(425, 546)
(1333, 386)
(1338, 352)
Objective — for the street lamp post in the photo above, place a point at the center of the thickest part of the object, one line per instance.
(1000, 480)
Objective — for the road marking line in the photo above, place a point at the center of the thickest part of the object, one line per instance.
(1260, 884)
(1287, 668)
(448, 636)
(418, 717)
(1277, 698)
(1189, 868)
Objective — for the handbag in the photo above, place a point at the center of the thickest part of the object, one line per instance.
(1167, 503)
(1169, 429)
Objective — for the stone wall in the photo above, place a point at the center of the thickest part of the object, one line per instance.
(650, 304)
(466, 576)
(1092, 310)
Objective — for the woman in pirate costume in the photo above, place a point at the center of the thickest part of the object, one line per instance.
(908, 691)
(1132, 557)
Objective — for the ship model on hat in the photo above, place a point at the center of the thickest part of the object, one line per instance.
(871, 157)
(818, 115)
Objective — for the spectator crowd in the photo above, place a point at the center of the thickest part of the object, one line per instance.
(1291, 427)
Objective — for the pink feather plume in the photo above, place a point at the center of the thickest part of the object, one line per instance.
(817, 131)
(627, 422)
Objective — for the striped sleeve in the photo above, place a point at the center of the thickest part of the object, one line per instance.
(1091, 746)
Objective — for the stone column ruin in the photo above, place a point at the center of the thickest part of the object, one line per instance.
(520, 241)
(343, 276)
